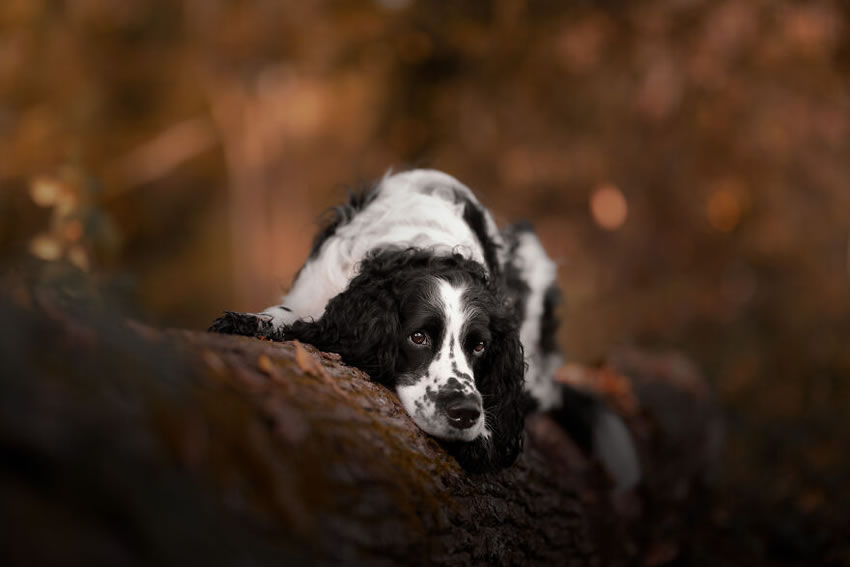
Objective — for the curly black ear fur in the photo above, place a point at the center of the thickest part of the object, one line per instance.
(500, 382)
(361, 324)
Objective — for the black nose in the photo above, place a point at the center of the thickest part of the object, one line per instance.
(463, 411)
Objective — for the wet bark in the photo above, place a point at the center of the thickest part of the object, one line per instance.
(120, 444)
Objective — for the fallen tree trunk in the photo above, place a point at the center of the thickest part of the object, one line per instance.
(120, 444)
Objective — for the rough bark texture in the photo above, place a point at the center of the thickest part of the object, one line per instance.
(120, 444)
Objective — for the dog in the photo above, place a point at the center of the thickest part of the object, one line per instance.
(412, 282)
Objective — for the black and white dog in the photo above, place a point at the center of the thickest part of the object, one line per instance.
(413, 283)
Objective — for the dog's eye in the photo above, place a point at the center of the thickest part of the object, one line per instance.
(479, 348)
(419, 338)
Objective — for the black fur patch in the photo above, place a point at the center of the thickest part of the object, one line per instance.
(577, 415)
(549, 320)
(473, 215)
(517, 288)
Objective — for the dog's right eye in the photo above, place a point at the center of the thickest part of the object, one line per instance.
(419, 338)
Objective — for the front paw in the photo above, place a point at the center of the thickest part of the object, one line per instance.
(246, 324)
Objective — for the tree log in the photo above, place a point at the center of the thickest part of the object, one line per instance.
(124, 445)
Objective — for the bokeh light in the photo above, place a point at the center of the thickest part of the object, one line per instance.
(609, 207)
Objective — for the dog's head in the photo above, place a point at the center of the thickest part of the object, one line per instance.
(437, 330)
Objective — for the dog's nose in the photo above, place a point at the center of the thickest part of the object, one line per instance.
(463, 411)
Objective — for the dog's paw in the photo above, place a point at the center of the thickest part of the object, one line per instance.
(246, 324)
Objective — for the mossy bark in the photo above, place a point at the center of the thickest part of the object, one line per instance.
(120, 444)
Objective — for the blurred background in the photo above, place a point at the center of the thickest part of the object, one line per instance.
(686, 162)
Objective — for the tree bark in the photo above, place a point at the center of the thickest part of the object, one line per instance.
(121, 444)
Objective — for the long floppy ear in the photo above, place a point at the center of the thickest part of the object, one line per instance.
(361, 324)
(500, 382)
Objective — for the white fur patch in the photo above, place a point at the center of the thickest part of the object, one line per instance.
(280, 316)
(539, 272)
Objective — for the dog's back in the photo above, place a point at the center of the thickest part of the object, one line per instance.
(424, 209)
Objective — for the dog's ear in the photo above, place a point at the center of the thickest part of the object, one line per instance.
(361, 324)
(500, 381)
(503, 383)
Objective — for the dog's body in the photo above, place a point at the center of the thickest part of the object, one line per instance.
(413, 282)
(429, 210)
